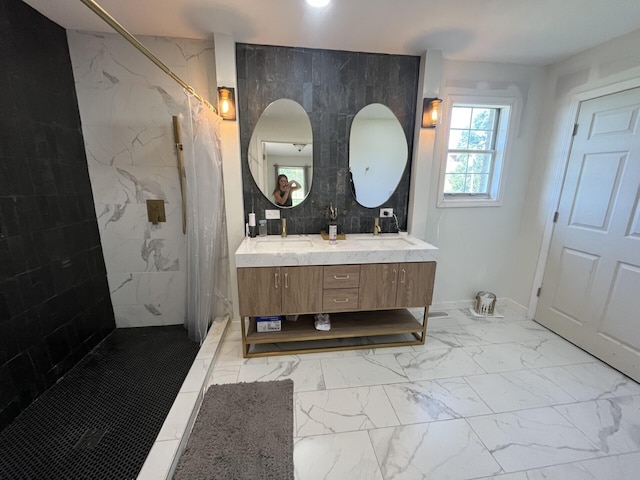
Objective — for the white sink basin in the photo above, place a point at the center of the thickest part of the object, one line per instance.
(375, 241)
(284, 244)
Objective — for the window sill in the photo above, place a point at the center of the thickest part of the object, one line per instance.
(467, 202)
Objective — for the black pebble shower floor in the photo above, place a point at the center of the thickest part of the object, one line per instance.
(117, 396)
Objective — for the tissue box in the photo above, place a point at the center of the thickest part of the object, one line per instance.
(272, 323)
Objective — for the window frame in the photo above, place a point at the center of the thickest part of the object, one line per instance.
(295, 196)
(504, 128)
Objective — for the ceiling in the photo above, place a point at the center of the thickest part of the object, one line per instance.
(282, 149)
(534, 32)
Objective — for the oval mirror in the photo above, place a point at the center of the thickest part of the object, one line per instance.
(281, 153)
(377, 155)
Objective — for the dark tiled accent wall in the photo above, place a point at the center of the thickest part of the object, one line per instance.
(54, 298)
(332, 86)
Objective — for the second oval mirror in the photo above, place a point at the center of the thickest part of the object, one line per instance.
(377, 154)
(281, 153)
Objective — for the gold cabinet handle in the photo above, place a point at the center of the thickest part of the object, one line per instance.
(395, 276)
(276, 280)
(286, 280)
(346, 300)
(344, 277)
(404, 276)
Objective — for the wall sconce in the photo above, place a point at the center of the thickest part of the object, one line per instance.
(430, 112)
(227, 103)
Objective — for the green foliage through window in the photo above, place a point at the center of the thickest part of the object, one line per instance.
(471, 150)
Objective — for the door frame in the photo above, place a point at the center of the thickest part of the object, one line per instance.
(560, 168)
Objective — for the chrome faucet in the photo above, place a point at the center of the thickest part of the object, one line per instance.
(376, 226)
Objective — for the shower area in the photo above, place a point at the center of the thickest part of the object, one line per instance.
(90, 130)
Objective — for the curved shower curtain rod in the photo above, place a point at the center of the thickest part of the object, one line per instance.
(104, 15)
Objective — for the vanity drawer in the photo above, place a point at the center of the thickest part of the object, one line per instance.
(341, 276)
(340, 300)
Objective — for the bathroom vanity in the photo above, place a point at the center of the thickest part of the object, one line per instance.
(366, 283)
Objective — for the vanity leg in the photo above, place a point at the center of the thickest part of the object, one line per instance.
(245, 347)
(425, 319)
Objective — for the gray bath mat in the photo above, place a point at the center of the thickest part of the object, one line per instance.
(243, 431)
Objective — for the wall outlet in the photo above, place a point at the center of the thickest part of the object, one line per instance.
(272, 214)
(386, 212)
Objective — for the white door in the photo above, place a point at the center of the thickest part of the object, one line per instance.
(591, 286)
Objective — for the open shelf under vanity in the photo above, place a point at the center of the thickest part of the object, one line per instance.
(383, 328)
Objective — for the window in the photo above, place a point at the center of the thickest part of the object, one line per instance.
(472, 135)
(476, 134)
(299, 175)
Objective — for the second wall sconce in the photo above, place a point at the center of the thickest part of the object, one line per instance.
(227, 103)
(430, 112)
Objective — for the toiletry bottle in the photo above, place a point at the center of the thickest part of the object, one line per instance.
(252, 225)
(262, 229)
(333, 234)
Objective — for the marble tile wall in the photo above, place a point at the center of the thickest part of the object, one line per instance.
(54, 297)
(332, 86)
(126, 106)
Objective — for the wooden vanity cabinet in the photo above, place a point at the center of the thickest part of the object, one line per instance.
(340, 288)
(301, 289)
(394, 285)
(258, 291)
(378, 286)
(367, 300)
(415, 284)
(279, 290)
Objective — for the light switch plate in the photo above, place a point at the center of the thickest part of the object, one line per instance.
(272, 214)
(386, 212)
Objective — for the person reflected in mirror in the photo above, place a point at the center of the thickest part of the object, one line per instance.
(283, 191)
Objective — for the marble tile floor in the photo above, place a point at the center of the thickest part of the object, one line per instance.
(483, 398)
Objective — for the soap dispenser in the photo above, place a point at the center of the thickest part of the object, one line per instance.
(251, 225)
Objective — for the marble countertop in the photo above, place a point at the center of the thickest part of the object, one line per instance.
(276, 251)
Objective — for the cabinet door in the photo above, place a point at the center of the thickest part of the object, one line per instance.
(415, 284)
(378, 285)
(259, 291)
(301, 289)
